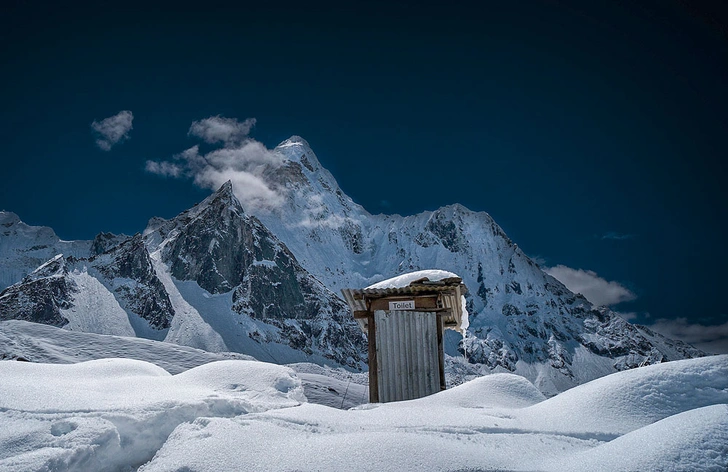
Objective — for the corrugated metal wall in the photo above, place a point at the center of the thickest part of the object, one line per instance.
(407, 354)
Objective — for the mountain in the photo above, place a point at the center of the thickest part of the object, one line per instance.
(522, 320)
(42, 295)
(263, 282)
(212, 278)
(23, 248)
(243, 290)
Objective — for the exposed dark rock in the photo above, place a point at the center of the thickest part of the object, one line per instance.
(306, 163)
(510, 310)
(447, 231)
(106, 241)
(214, 244)
(41, 295)
(145, 294)
(352, 236)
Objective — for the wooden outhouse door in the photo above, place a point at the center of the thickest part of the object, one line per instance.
(408, 354)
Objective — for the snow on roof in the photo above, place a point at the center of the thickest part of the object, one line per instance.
(421, 282)
(404, 280)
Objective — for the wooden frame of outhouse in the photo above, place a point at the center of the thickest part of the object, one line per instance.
(433, 300)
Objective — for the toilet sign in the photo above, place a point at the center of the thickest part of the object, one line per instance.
(402, 305)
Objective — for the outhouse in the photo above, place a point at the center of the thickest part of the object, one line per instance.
(405, 318)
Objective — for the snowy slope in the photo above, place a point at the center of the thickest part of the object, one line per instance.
(694, 440)
(23, 248)
(188, 328)
(118, 414)
(436, 433)
(35, 342)
(91, 299)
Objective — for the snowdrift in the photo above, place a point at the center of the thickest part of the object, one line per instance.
(113, 414)
(121, 414)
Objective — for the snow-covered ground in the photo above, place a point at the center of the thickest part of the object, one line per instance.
(124, 414)
(45, 344)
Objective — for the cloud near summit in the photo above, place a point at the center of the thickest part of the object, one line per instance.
(596, 289)
(218, 129)
(710, 338)
(241, 159)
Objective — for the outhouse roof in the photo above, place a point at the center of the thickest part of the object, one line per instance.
(446, 286)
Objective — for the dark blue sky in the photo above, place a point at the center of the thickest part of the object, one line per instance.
(567, 123)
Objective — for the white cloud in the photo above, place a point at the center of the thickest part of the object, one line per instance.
(113, 129)
(242, 160)
(218, 129)
(250, 189)
(247, 155)
(316, 214)
(165, 169)
(588, 283)
(712, 339)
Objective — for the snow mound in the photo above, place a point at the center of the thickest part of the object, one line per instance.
(404, 280)
(285, 446)
(689, 441)
(51, 345)
(625, 401)
(491, 391)
(265, 385)
(78, 387)
(114, 414)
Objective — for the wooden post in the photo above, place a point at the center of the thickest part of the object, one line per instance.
(441, 351)
(373, 377)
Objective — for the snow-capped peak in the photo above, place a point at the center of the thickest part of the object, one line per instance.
(294, 141)
(226, 188)
(220, 203)
(297, 149)
(225, 196)
(8, 218)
